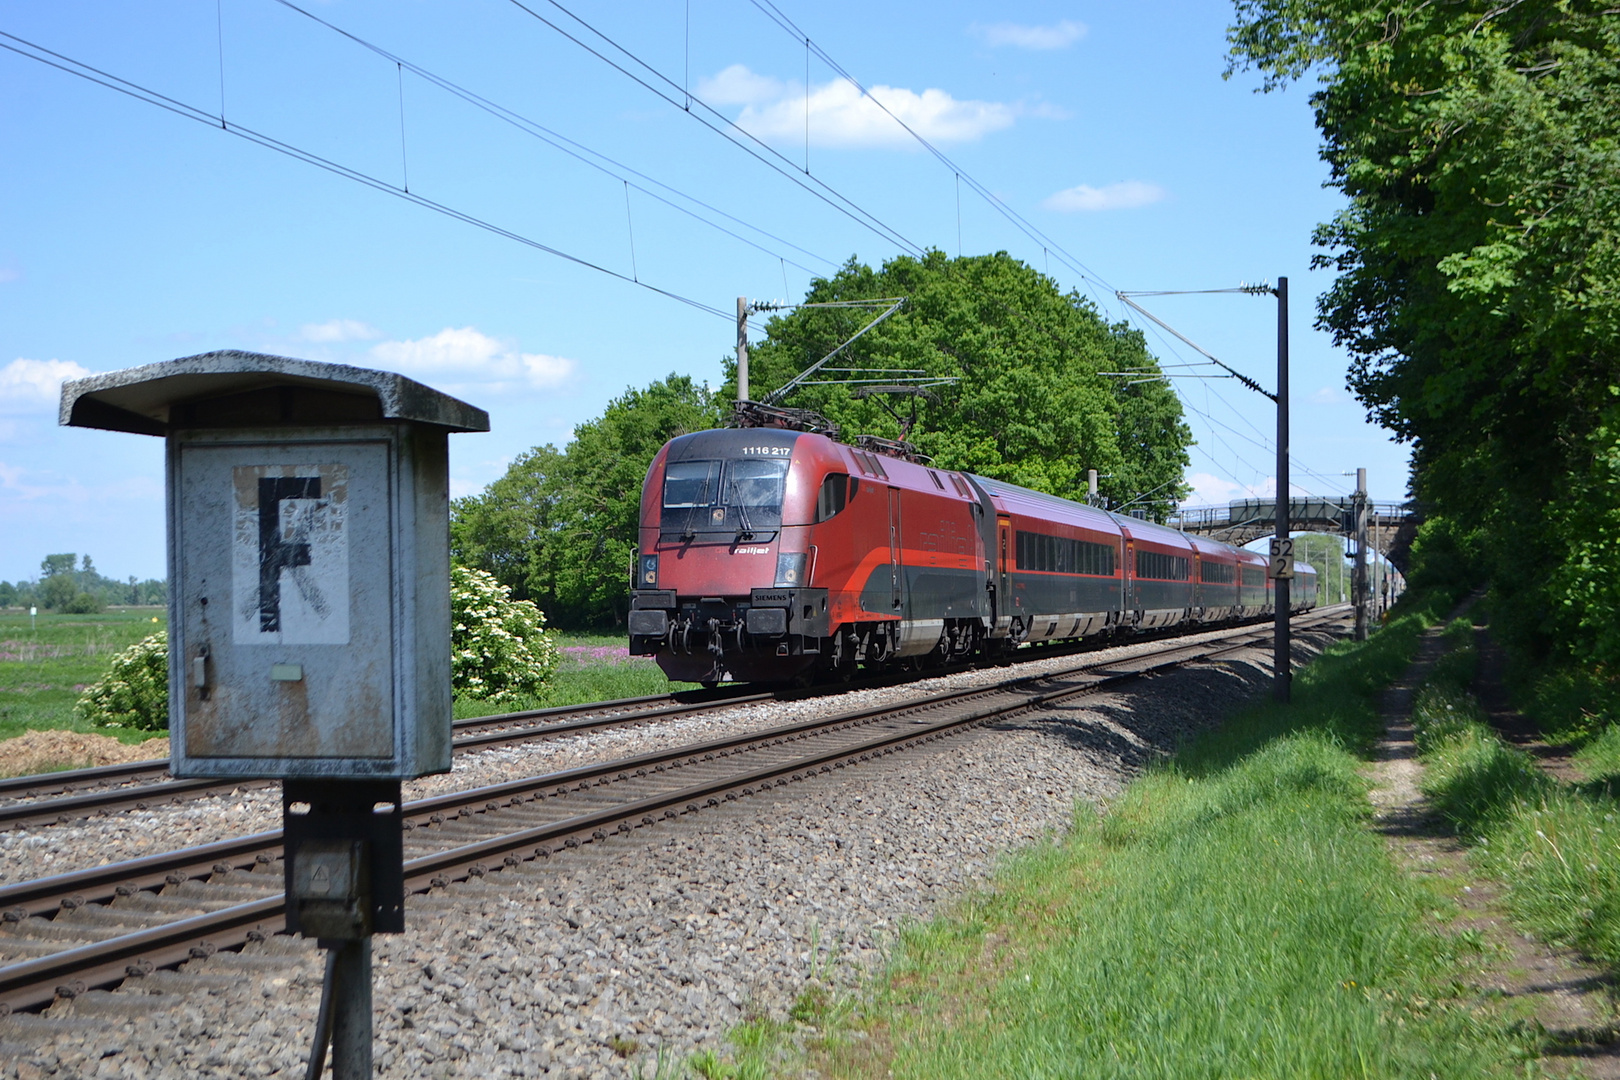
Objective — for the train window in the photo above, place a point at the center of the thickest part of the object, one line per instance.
(691, 484)
(1156, 564)
(1061, 555)
(832, 496)
(756, 483)
(1216, 573)
(1254, 577)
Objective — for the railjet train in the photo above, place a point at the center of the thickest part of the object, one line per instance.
(773, 555)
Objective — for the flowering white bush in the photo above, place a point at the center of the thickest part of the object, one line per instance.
(135, 691)
(500, 650)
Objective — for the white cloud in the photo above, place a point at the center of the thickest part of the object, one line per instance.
(1059, 35)
(1211, 490)
(1125, 195)
(336, 330)
(841, 116)
(27, 385)
(736, 85)
(467, 356)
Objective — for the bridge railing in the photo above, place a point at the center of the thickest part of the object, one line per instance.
(1338, 511)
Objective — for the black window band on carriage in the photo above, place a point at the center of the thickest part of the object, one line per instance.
(1161, 567)
(1214, 573)
(1063, 555)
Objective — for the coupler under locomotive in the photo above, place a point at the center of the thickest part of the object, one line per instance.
(771, 635)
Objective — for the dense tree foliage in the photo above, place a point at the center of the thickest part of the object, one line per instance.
(559, 528)
(1030, 404)
(1478, 293)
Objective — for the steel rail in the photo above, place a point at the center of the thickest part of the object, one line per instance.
(35, 982)
(99, 884)
(141, 796)
(144, 784)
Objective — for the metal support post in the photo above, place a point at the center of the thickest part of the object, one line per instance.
(742, 348)
(1281, 659)
(1358, 583)
(351, 1010)
(344, 881)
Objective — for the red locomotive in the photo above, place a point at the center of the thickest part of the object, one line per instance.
(769, 554)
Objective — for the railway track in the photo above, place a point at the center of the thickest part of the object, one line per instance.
(62, 798)
(139, 785)
(64, 935)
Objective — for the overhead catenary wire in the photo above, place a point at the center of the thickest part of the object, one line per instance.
(145, 94)
(724, 126)
(1263, 442)
(573, 148)
(787, 25)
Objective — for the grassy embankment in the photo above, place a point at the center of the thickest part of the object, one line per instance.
(1232, 914)
(44, 669)
(1556, 846)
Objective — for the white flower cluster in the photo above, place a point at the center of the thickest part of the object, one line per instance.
(500, 650)
(135, 691)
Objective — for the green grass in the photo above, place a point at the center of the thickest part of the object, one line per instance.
(1555, 846)
(582, 678)
(43, 670)
(1231, 915)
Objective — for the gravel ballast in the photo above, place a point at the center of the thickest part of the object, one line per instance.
(596, 962)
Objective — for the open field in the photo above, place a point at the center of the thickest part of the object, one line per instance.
(43, 670)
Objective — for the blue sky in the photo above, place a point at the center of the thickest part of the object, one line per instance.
(130, 234)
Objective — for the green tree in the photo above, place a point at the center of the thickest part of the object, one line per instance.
(559, 527)
(58, 591)
(1029, 403)
(1478, 260)
(54, 565)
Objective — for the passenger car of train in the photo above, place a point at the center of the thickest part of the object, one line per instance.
(771, 555)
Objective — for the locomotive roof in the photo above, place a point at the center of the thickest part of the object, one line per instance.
(714, 443)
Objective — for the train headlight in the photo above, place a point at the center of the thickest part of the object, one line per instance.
(647, 575)
(790, 571)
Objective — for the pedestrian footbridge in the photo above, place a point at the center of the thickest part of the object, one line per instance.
(1390, 526)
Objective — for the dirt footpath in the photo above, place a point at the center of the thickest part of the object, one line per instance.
(1570, 1000)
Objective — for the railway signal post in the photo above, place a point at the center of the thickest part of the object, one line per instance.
(1282, 660)
(309, 619)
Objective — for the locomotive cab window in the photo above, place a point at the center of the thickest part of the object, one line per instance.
(725, 496)
(756, 483)
(689, 484)
(833, 495)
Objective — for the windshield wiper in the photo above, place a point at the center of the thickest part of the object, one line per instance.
(747, 530)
